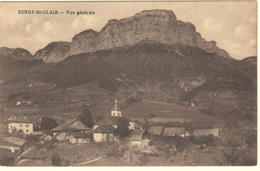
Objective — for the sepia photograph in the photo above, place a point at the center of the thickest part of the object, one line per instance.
(128, 83)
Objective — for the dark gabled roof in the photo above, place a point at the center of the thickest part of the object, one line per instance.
(111, 120)
(199, 132)
(137, 135)
(170, 131)
(81, 135)
(70, 125)
(20, 119)
(104, 129)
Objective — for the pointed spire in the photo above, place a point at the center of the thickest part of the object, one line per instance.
(116, 104)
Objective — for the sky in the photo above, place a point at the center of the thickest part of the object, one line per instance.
(231, 24)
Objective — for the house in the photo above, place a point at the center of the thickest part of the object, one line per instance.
(174, 131)
(156, 130)
(45, 138)
(104, 132)
(107, 120)
(206, 132)
(78, 137)
(21, 124)
(12, 143)
(138, 137)
(63, 132)
(70, 125)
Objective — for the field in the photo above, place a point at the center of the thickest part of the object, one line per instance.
(166, 110)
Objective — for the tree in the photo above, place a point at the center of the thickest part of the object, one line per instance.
(122, 127)
(86, 118)
(7, 161)
(55, 159)
(48, 123)
(235, 147)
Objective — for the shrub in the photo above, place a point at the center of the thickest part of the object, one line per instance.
(7, 161)
(55, 159)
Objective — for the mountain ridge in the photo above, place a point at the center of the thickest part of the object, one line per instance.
(154, 25)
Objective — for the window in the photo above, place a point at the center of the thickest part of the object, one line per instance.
(21, 125)
(27, 130)
(27, 125)
(113, 114)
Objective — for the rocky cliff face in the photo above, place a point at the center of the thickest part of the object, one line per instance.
(53, 52)
(156, 25)
(15, 54)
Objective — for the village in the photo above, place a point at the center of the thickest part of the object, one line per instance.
(112, 131)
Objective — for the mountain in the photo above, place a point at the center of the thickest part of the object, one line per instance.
(160, 26)
(10, 54)
(53, 52)
(18, 65)
(150, 68)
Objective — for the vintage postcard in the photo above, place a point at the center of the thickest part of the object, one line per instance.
(128, 83)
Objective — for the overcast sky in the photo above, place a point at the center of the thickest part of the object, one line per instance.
(231, 24)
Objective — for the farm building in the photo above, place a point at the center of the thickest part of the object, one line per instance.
(156, 130)
(63, 132)
(21, 124)
(174, 131)
(12, 143)
(70, 125)
(45, 138)
(78, 138)
(139, 137)
(104, 133)
(62, 137)
(167, 120)
(206, 132)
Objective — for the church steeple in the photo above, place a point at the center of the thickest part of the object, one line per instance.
(115, 111)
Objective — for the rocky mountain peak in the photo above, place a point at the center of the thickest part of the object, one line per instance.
(15, 54)
(53, 52)
(151, 25)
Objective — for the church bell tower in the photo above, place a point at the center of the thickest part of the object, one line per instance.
(115, 111)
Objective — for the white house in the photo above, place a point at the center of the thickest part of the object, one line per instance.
(21, 123)
(104, 133)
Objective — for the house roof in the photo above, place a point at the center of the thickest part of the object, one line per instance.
(15, 140)
(156, 130)
(111, 120)
(81, 135)
(20, 119)
(104, 129)
(170, 131)
(137, 135)
(44, 135)
(70, 125)
(198, 132)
